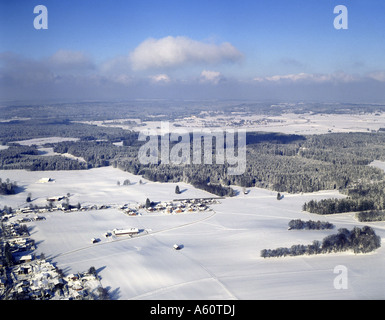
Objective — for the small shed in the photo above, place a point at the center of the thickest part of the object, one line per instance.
(123, 232)
(26, 258)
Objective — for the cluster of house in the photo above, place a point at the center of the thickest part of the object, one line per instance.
(184, 205)
(41, 280)
(129, 210)
(224, 121)
(22, 276)
(20, 246)
(65, 207)
(14, 230)
(30, 278)
(175, 206)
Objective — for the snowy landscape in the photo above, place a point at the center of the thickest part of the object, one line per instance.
(192, 150)
(220, 248)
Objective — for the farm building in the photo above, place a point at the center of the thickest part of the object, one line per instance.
(45, 180)
(53, 199)
(26, 258)
(123, 232)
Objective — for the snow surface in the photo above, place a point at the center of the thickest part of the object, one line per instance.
(42, 141)
(220, 258)
(289, 123)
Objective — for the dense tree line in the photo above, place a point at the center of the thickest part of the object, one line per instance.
(7, 187)
(371, 216)
(361, 197)
(331, 206)
(298, 224)
(95, 153)
(284, 163)
(18, 130)
(358, 240)
(279, 164)
(216, 189)
(27, 157)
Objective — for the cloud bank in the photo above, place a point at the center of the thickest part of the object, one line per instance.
(337, 77)
(211, 76)
(74, 75)
(172, 52)
(70, 60)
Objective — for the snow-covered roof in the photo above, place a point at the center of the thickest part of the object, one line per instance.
(125, 231)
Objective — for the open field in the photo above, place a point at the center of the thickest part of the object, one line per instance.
(220, 258)
(288, 123)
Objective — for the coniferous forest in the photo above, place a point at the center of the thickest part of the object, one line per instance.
(285, 163)
(358, 240)
(281, 162)
(7, 187)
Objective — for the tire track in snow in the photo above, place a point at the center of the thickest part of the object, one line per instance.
(144, 234)
(167, 288)
(211, 275)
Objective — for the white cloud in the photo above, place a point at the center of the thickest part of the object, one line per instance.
(122, 79)
(160, 78)
(378, 76)
(73, 60)
(115, 65)
(211, 76)
(177, 51)
(72, 74)
(310, 78)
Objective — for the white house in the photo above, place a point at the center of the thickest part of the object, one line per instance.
(123, 232)
(26, 258)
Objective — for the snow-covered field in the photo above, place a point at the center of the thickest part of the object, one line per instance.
(47, 151)
(42, 141)
(220, 255)
(288, 123)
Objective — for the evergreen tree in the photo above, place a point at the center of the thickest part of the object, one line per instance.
(148, 203)
(92, 271)
(8, 255)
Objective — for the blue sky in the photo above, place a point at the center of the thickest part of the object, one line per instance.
(210, 49)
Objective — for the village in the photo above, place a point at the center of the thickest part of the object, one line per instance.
(24, 275)
(171, 207)
(61, 203)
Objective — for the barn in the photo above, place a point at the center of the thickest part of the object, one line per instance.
(124, 232)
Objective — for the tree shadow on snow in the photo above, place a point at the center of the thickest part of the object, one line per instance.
(30, 229)
(114, 294)
(19, 189)
(38, 242)
(100, 269)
